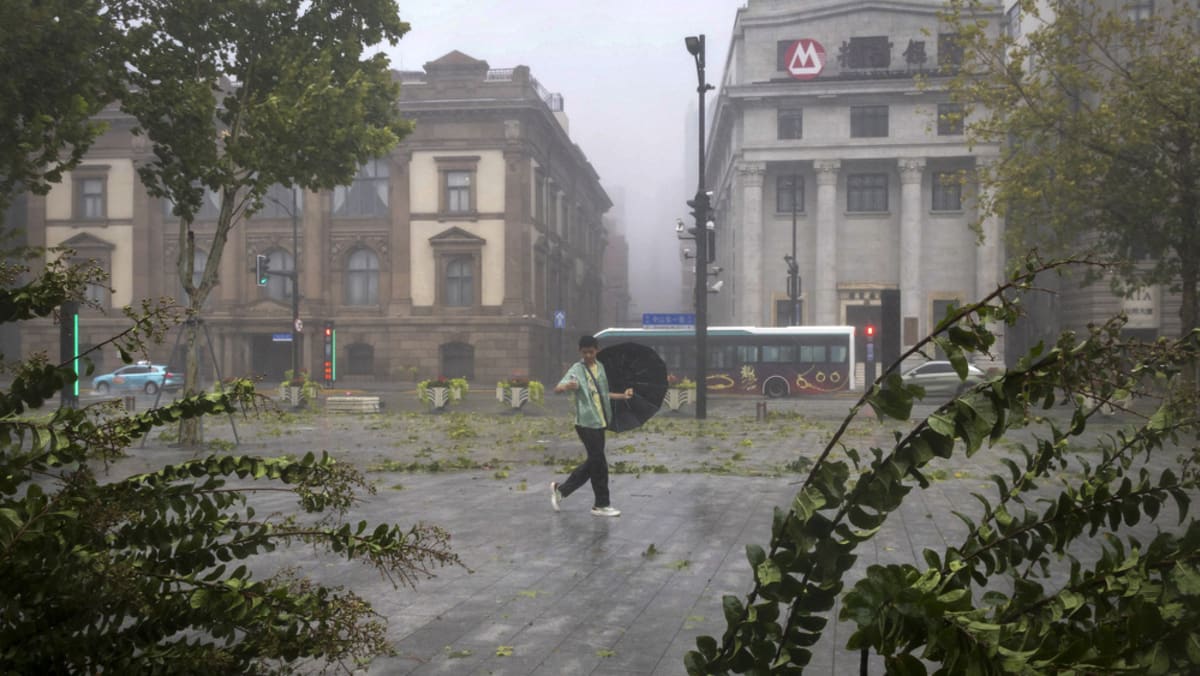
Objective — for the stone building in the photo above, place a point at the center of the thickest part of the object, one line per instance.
(821, 136)
(450, 256)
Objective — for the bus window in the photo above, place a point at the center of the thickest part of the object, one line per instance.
(812, 354)
(838, 354)
(672, 356)
(721, 357)
(747, 354)
(779, 354)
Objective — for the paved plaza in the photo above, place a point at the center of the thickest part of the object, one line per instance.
(554, 593)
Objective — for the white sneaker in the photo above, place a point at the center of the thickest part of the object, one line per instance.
(555, 496)
(606, 511)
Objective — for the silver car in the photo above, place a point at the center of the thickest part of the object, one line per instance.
(940, 379)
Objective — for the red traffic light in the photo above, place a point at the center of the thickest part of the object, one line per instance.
(870, 331)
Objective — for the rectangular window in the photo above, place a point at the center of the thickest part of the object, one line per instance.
(721, 357)
(869, 52)
(460, 281)
(947, 191)
(868, 121)
(791, 124)
(789, 193)
(867, 192)
(949, 119)
(91, 199)
(1139, 12)
(539, 199)
(812, 354)
(367, 195)
(458, 192)
(779, 354)
(838, 354)
(210, 207)
(280, 201)
(950, 51)
(747, 354)
(1012, 21)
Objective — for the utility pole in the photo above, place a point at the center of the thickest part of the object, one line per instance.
(701, 206)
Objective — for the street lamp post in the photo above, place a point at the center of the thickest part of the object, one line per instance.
(295, 277)
(793, 266)
(695, 47)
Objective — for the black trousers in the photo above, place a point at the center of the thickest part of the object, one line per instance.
(594, 468)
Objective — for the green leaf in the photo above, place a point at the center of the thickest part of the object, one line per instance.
(755, 555)
(768, 573)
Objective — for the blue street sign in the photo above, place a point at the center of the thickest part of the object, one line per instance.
(281, 337)
(560, 319)
(677, 320)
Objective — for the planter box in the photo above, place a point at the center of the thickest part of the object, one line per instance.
(676, 398)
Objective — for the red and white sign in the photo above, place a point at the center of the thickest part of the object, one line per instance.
(805, 59)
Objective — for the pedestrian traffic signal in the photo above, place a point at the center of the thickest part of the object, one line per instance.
(262, 269)
(330, 361)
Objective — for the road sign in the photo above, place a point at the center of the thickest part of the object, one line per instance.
(805, 59)
(299, 325)
(281, 337)
(560, 319)
(669, 320)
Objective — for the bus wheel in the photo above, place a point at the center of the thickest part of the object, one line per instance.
(775, 388)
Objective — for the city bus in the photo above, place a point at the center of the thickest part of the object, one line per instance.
(776, 362)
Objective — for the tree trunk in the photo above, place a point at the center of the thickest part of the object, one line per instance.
(191, 433)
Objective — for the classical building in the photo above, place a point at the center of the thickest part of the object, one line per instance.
(450, 256)
(823, 145)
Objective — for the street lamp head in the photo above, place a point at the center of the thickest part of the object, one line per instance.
(694, 43)
(716, 288)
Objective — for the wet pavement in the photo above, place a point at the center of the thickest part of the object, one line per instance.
(553, 593)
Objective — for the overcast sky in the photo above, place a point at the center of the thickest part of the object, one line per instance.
(627, 81)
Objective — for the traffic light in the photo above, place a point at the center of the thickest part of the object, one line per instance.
(330, 361)
(870, 332)
(262, 269)
(701, 208)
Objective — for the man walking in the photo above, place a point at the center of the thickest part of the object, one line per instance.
(593, 410)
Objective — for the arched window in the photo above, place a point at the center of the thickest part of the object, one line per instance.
(279, 287)
(360, 359)
(457, 360)
(362, 278)
(460, 281)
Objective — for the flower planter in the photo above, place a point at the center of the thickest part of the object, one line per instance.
(439, 397)
(676, 397)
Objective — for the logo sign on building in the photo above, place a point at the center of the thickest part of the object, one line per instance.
(1142, 308)
(677, 320)
(805, 59)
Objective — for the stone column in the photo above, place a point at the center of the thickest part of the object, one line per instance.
(912, 295)
(825, 296)
(400, 249)
(750, 302)
(989, 268)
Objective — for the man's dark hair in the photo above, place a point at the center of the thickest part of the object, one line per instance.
(588, 341)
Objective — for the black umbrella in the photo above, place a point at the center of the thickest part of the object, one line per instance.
(640, 367)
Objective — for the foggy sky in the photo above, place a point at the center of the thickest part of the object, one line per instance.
(628, 85)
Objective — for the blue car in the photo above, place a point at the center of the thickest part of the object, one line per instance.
(142, 376)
